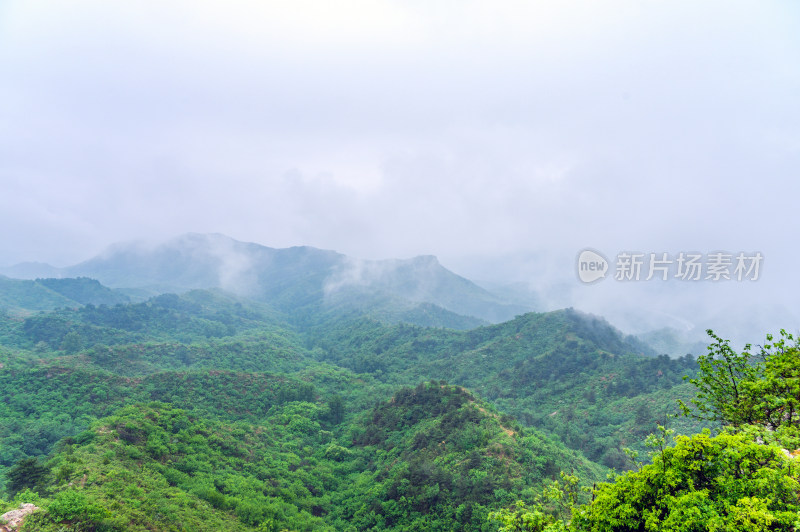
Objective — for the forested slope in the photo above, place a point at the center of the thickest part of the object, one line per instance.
(208, 410)
(430, 458)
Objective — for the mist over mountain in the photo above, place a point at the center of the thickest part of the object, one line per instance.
(293, 278)
(306, 281)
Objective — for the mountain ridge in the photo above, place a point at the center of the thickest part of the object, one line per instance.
(298, 278)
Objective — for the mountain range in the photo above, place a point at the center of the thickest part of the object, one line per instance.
(206, 382)
(302, 280)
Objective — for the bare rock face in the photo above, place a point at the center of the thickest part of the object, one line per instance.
(13, 519)
(791, 454)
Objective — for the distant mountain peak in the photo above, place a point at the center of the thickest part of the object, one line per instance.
(31, 270)
(426, 259)
(289, 278)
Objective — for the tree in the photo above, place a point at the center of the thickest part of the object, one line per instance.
(775, 395)
(26, 473)
(727, 482)
(549, 512)
(72, 343)
(744, 389)
(524, 519)
(721, 395)
(335, 410)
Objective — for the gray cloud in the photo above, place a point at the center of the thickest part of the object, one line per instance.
(501, 136)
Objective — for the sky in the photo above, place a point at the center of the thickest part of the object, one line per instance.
(501, 136)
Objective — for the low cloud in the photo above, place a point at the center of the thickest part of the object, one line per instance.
(500, 137)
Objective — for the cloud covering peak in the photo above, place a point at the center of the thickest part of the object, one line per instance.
(502, 137)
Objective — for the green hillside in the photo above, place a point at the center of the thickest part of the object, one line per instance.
(207, 409)
(18, 295)
(443, 467)
(563, 371)
(48, 294)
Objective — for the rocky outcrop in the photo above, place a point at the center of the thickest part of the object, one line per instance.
(791, 454)
(12, 520)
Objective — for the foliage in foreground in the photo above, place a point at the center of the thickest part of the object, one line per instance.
(727, 482)
(742, 479)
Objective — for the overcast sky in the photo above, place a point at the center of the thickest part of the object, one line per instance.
(498, 135)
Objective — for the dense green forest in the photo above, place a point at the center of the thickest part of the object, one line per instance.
(207, 411)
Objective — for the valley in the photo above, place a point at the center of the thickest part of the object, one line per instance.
(289, 410)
